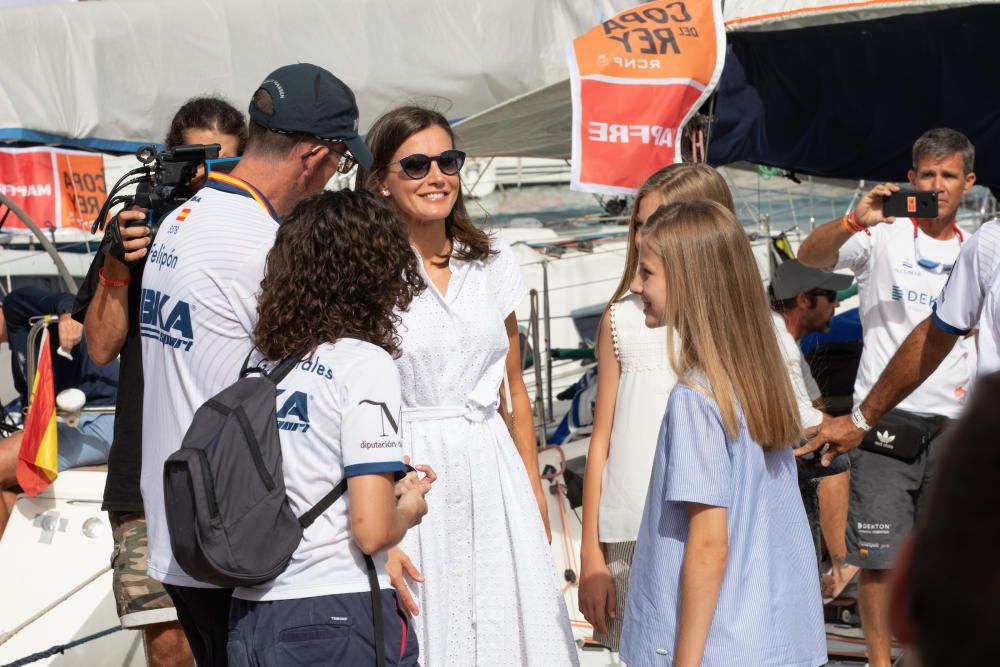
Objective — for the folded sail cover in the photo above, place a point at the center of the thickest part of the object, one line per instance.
(636, 80)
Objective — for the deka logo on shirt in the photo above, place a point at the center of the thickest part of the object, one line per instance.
(293, 415)
(169, 323)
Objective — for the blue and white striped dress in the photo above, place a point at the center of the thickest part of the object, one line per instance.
(769, 610)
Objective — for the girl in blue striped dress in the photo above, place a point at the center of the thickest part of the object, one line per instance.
(724, 567)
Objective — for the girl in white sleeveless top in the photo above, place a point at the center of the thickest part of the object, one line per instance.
(634, 381)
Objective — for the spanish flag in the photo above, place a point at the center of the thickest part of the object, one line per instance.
(37, 462)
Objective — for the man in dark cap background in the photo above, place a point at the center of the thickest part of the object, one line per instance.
(199, 308)
(804, 300)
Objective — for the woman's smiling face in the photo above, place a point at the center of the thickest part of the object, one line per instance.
(426, 199)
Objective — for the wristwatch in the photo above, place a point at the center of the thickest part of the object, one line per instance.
(858, 418)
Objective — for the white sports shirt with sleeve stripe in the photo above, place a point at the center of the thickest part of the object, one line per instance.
(971, 295)
(339, 417)
(197, 316)
(769, 610)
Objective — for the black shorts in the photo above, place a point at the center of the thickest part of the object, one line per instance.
(886, 495)
(325, 630)
(204, 615)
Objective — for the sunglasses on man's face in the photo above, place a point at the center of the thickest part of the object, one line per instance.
(346, 161)
(830, 294)
(418, 165)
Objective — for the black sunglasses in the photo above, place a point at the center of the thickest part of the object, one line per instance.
(830, 294)
(418, 165)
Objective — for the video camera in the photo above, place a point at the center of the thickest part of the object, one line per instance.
(163, 183)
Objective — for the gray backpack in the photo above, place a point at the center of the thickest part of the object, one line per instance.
(229, 519)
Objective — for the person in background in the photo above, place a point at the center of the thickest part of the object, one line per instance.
(319, 610)
(486, 584)
(723, 499)
(109, 305)
(901, 266)
(634, 381)
(88, 441)
(803, 301)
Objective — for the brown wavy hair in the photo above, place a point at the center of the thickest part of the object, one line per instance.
(341, 265)
(385, 137)
(675, 182)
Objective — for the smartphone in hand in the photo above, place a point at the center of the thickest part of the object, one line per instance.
(911, 204)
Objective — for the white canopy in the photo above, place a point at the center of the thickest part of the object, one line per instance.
(109, 74)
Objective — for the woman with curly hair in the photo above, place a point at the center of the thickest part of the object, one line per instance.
(339, 274)
(485, 585)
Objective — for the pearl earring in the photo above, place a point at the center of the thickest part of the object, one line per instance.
(385, 192)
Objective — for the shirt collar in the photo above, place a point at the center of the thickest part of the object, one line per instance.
(237, 186)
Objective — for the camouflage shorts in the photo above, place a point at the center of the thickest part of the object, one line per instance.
(140, 600)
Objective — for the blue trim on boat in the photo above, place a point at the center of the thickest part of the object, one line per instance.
(20, 134)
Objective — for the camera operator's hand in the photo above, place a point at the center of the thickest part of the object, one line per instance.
(135, 241)
(868, 212)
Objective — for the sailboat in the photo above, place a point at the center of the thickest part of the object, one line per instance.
(805, 92)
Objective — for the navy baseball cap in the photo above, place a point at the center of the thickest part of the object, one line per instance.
(309, 99)
(792, 278)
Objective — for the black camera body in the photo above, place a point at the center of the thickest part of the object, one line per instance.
(171, 173)
(163, 183)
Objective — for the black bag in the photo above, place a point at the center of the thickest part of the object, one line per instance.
(902, 435)
(229, 519)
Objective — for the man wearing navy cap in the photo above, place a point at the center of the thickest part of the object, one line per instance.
(199, 309)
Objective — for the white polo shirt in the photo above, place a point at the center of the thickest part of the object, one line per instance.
(199, 301)
(972, 293)
(339, 415)
(805, 387)
(896, 295)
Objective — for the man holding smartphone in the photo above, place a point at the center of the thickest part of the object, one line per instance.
(900, 266)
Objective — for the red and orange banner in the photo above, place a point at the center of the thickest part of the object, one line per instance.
(38, 459)
(636, 80)
(56, 187)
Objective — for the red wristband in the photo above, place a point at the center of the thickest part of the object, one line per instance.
(104, 280)
(853, 225)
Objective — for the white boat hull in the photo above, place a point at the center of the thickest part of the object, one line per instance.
(53, 544)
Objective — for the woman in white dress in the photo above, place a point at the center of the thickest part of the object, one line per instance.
(478, 574)
(634, 382)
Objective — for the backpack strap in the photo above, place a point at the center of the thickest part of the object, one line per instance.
(246, 369)
(286, 365)
(376, 611)
(330, 498)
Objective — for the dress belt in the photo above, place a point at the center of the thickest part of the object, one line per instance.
(473, 412)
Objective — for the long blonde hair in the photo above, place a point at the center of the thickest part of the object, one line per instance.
(717, 307)
(672, 183)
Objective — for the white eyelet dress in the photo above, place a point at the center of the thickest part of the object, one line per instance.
(491, 594)
(643, 389)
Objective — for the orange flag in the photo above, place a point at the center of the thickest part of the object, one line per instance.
(37, 462)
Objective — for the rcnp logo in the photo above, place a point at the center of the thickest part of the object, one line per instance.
(293, 415)
(169, 323)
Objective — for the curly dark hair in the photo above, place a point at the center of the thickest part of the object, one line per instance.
(207, 113)
(341, 265)
(385, 137)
